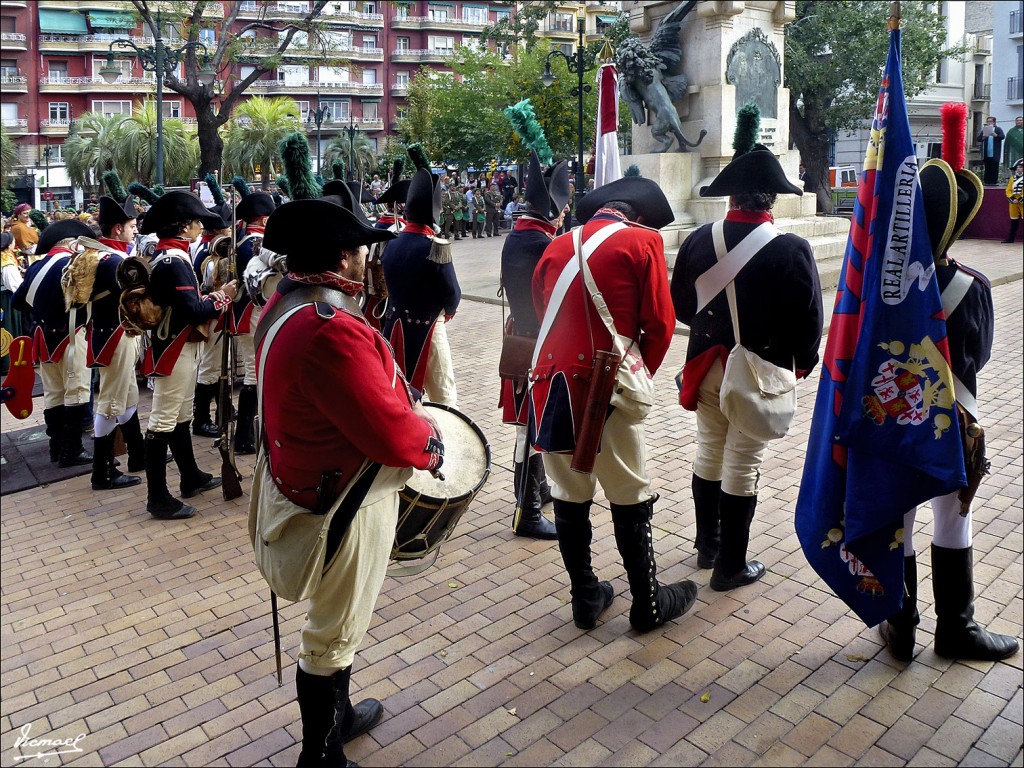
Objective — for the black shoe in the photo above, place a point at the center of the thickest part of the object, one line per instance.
(899, 632)
(365, 716)
(104, 476)
(590, 597)
(751, 572)
(204, 481)
(207, 429)
(731, 567)
(528, 521)
(169, 508)
(72, 453)
(160, 504)
(193, 480)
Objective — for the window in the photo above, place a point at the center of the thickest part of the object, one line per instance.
(401, 113)
(171, 109)
(473, 42)
(208, 37)
(402, 44)
(8, 68)
(402, 11)
(437, 13)
(402, 79)
(338, 110)
(172, 31)
(7, 24)
(293, 6)
(565, 48)
(244, 71)
(299, 39)
(56, 154)
(58, 70)
(59, 111)
(9, 113)
(303, 108)
(370, 110)
(473, 15)
(369, 42)
(98, 62)
(440, 43)
(293, 75)
(333, 74)
(338, 40)
(108, 108)
(369, 8)
(369, 76)
(561, 22)
(502, 15)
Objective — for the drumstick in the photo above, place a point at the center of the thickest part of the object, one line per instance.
(277, 635)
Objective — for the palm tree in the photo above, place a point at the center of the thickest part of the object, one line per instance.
(91, 149)
(365, 156)
(136, 149)
(253, 134)
(8, 156)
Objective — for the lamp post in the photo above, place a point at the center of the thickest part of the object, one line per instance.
(162, 60)
(46, 155)
(351, 146)
(317, 117)
(578, 63)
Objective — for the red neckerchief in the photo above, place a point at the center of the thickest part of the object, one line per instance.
(333, 279)
(529, 223)
(749, 217)
(172, 242)
(418, 229)
(117, 245)
(254, 229)
(386, 218)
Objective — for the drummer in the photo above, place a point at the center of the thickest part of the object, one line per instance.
(314, 351)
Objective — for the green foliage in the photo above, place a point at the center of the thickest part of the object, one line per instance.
(363, 155)
(135, 151)
(8, 155)
(92, 149)
(521, 25)
(7, 201)
(252, 137)
(835, 54)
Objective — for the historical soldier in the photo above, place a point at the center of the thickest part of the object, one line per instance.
(58, 345)
(628, 269)
(334, 407)
(449, 204)
(780, 320)
(423, 294)
(492, 209)
(173, 357)
(952, 199)
(547, 196)
(392, 198)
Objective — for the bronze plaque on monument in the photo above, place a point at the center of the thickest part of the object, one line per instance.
(754, 67)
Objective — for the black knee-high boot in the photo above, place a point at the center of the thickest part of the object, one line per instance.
(315, 694)
(653, 603)
(708, 539)
(1014, 223)
(529, 520)
(731, 568)
(193, 479)
(159, 502)
(957, 634)
(899, 631)
(54, 420)
(245, 431)
(72, 452)
(201, 424)
(575, 533)
(350, 721)
(131, 431)
(104, 476)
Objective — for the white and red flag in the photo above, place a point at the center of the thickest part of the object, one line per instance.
(606, 146)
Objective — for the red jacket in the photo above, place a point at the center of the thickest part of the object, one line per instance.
(332, 396)
(630, 272)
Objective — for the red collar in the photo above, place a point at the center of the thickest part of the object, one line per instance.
(418, 229)
(386, 218)
(527, 223)
(749, 217)
(254, 229)
(117, 245)
(172, 242)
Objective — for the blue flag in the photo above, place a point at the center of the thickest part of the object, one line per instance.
(884, 436)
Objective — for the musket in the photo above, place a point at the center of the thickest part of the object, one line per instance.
(230, 477)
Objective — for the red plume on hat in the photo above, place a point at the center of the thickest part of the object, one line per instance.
(954, 136)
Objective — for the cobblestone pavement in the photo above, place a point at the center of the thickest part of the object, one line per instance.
(153, 639)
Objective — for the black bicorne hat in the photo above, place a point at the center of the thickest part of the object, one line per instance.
(755, 171)
(61, 230)
(316, 249)
(113, 212)
(423, 202)
(396, 193)
(340, 193)
(641, 194)
(175, 208)
(951, 201)
(547, 192)
(254, 205)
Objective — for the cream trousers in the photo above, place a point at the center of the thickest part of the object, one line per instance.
(173, 395)
(950, 530)
(67, 382)
(119, 389)
(439, 382)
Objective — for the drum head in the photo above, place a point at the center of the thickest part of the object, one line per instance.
(467, 457)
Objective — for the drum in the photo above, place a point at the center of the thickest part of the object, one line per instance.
(429, 507)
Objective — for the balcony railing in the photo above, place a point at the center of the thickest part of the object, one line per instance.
(59, 80)
(983, 91)
(1016, 23)
(12, 37)
(982, 44)
(100, 38)
(1013, 89)
(15, 122)
(452, 21)
(13, 80)
(421, 53)
(315, 84)
(48, 123)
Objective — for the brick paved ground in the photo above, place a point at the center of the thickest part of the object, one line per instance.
(153, 639)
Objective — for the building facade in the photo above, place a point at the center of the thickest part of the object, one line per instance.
(51, 52)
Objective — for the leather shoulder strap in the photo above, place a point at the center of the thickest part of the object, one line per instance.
(303, 294)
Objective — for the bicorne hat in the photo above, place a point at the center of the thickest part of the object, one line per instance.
(396, 193)
(175, 208)
(113, 212)
(423, 201)
(61, 230)
(254, 205)
(641, 194)
(755, 171)
(317, 249)
(547, 192)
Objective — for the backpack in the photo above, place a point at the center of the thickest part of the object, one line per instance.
(139, 312)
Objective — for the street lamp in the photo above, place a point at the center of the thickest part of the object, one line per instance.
(579, 62)
(317, 117)
(46, 155)
(351, 146)
(161, 60)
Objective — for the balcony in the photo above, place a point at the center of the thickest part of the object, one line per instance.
(15, 126)
(453, 24)
(13, 41)
(14, 84)
(282, 86)
(437, 55)
(982, 92)
(1016, 23)
(54, 127)
(982, 45)
(1014, 92)
(82, 43)
(88, 84)
(400, 89)
(13, 3)
(371, 123)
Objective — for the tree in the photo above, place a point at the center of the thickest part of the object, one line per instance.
(835, 54)
(231, 47)
(135, 149)
(91, 148)
(519, 26)
(363, 154)
(252, 137)
(8, 156)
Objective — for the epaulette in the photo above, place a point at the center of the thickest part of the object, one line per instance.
(324, 310)
(440, 250)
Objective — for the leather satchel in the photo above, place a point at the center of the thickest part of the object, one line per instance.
(516, 353)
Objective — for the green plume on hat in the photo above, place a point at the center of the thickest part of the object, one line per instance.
(282, 184)
(530, 132)
(39, 219)
(633, 170)
(158, 190)
(748, 126)
(418, 156)
(143, 192)
(338, 169)
(397, 166)
(294, 150)
(240, 184)
(215, 190)
(114, 186)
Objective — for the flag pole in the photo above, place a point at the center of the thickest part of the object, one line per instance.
(894, 15)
